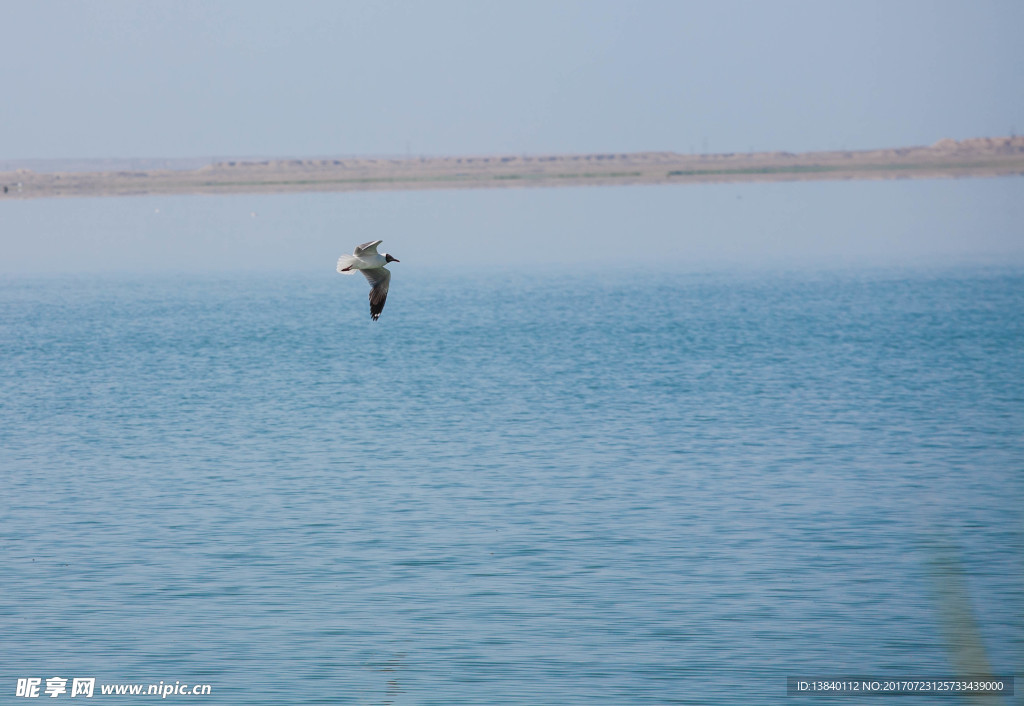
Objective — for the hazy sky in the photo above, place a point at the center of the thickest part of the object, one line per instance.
(333, 77)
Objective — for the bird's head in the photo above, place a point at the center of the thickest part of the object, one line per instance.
(389, 258)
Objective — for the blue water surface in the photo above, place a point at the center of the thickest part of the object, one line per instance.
(604, 487)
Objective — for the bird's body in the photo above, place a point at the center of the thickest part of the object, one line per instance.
(367, 260)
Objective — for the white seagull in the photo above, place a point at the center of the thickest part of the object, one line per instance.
(367, 260)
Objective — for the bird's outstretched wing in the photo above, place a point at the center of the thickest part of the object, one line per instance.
(369, 248)
(379, 279)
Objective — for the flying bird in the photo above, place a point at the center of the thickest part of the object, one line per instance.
(367, 260)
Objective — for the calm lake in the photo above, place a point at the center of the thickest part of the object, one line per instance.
(603, 479)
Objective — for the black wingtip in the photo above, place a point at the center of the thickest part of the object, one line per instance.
(377, 304)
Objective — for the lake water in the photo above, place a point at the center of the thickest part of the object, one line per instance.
(727, 435)
(511, 489)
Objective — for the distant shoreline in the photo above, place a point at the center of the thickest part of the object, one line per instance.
(978, 157)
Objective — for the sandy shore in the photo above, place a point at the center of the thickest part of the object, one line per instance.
(947, 158)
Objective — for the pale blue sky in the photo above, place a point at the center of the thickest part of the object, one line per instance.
(312, 77)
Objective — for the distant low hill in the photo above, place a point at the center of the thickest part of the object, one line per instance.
(987, 156)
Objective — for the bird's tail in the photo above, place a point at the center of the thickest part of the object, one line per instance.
(346, 261)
